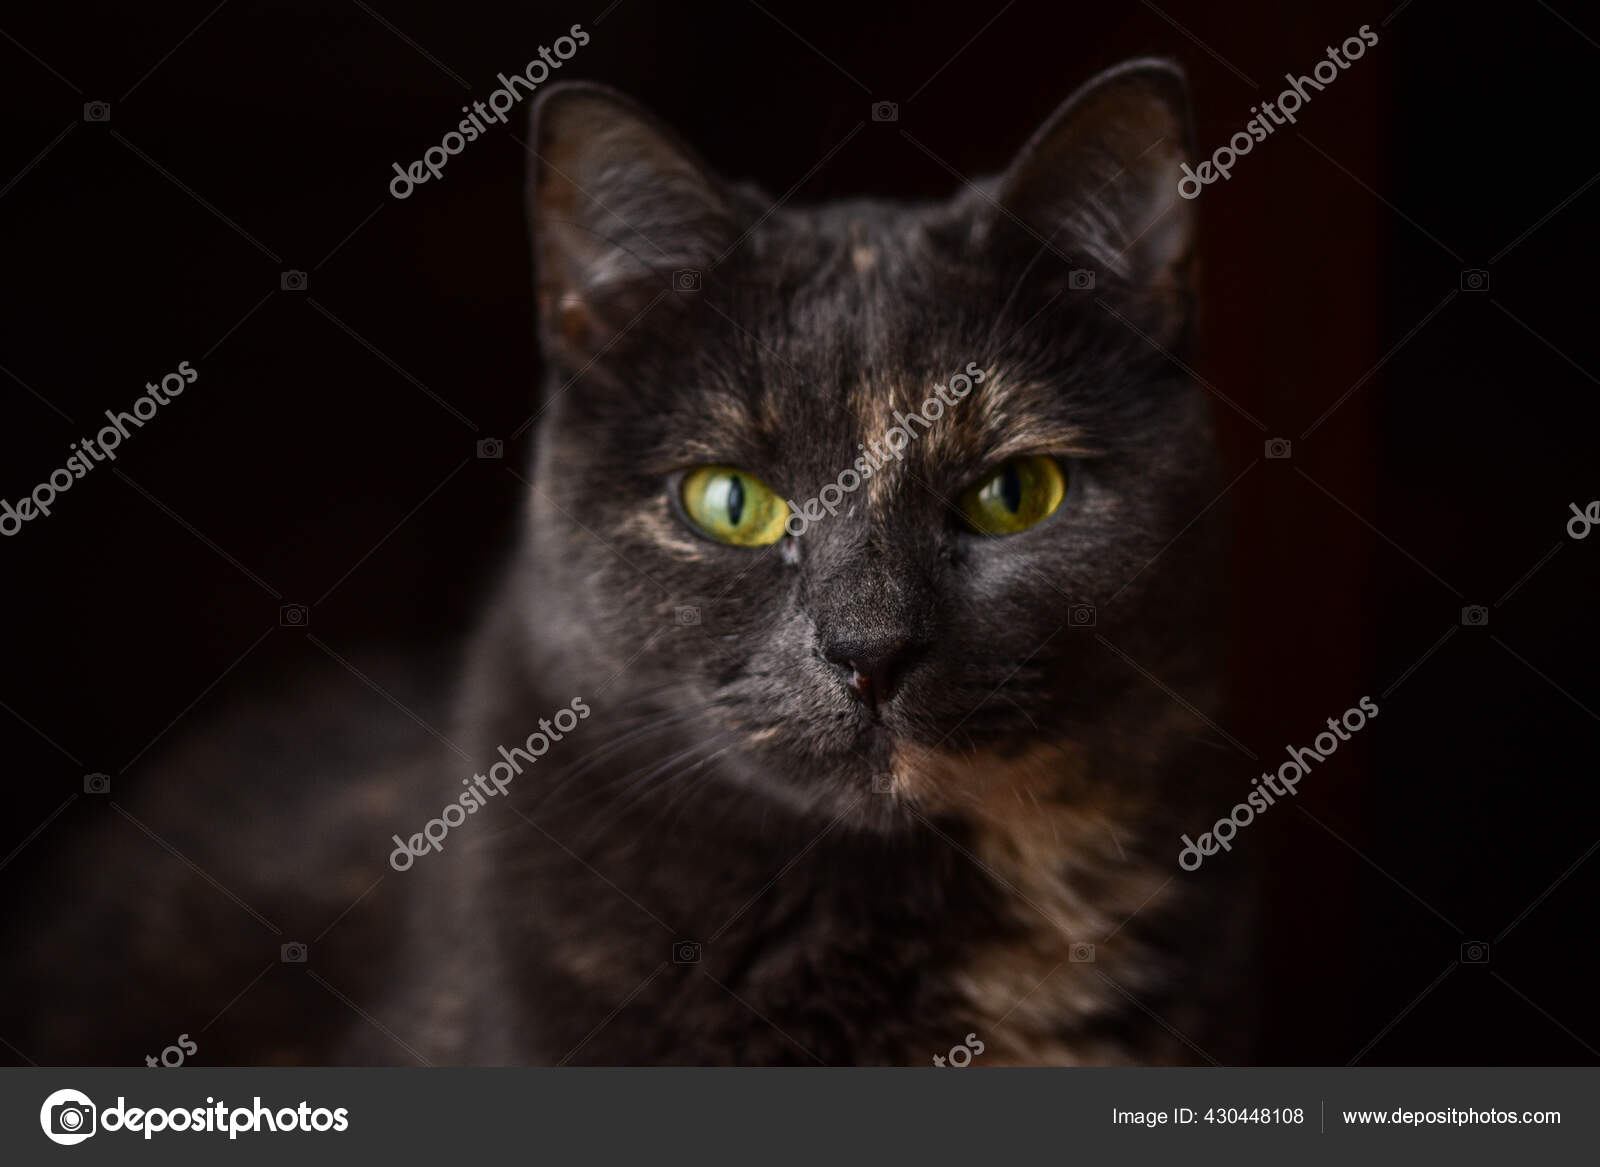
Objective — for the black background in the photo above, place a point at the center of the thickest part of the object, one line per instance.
(326, 456)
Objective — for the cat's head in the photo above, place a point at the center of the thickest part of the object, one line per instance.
(888, 502)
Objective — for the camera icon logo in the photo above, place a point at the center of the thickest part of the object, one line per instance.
(1474, 616)
(686, 279)
(1475, 952)
(491, 448)
(1081, 953)
(67, 1117)
(1080, 279)
(292, 281)
(293, 616)
(883, 784)
(686, 952)
(1279, 448)
(97, 111)
(885, 111)
(293, 953)
(1081, 615)
(1474, 279)
(97, 783)
(686, 617)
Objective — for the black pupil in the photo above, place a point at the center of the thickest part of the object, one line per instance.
(1011, 489)
(736, 500)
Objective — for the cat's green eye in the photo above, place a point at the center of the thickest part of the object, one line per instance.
(733, 507)
(1017, 495)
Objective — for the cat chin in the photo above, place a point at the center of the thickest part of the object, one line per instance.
(896, 785)
(949, 782)
(851, 791)
(892, 785)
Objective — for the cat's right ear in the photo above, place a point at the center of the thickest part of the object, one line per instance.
(621, 210)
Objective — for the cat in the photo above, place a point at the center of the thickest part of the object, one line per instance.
(851, 794)
(867, 552)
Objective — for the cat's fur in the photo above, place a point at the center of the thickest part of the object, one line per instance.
(1040, 777)
(993, 851)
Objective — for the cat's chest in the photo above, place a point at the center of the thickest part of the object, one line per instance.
(1056, 988)
(840, 962)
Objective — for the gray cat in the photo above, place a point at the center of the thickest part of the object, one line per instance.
(840, 520)
(824, 713)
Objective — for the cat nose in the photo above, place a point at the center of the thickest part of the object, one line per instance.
(874, 668)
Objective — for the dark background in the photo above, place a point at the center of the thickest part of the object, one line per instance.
(326, 456)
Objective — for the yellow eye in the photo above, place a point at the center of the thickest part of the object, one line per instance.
(733, 507)
(1019, 494)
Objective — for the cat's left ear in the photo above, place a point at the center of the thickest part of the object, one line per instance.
(1098, 183)
(621, 211)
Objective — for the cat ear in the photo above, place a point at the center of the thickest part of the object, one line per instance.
(1098, 183)
(621, 211)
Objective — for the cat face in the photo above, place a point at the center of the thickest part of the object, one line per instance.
(865, 496)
